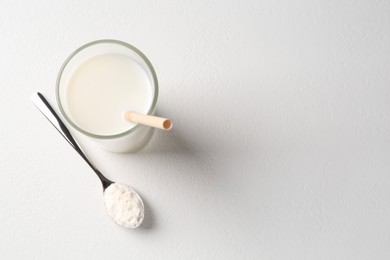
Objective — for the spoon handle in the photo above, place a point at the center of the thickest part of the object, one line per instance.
(41, 103)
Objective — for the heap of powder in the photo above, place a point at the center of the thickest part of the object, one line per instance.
(124, 205)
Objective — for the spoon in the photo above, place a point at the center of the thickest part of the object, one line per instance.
(123, 204)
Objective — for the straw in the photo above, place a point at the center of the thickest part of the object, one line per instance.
(153, 121)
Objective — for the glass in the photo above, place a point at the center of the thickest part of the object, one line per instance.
(130, 140)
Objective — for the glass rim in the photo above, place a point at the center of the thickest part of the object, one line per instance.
(112, 41)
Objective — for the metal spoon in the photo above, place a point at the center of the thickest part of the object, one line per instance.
(123, 204)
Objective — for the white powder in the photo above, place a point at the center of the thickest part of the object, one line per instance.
(124, 205)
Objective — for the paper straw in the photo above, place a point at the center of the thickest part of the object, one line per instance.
(153, 121)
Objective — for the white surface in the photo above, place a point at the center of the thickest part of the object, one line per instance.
(281, 144)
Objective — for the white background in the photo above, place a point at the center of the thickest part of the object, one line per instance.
(281, 140)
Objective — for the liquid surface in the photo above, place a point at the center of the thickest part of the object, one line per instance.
(102, 88)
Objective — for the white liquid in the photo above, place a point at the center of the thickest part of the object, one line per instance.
(102, 88)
